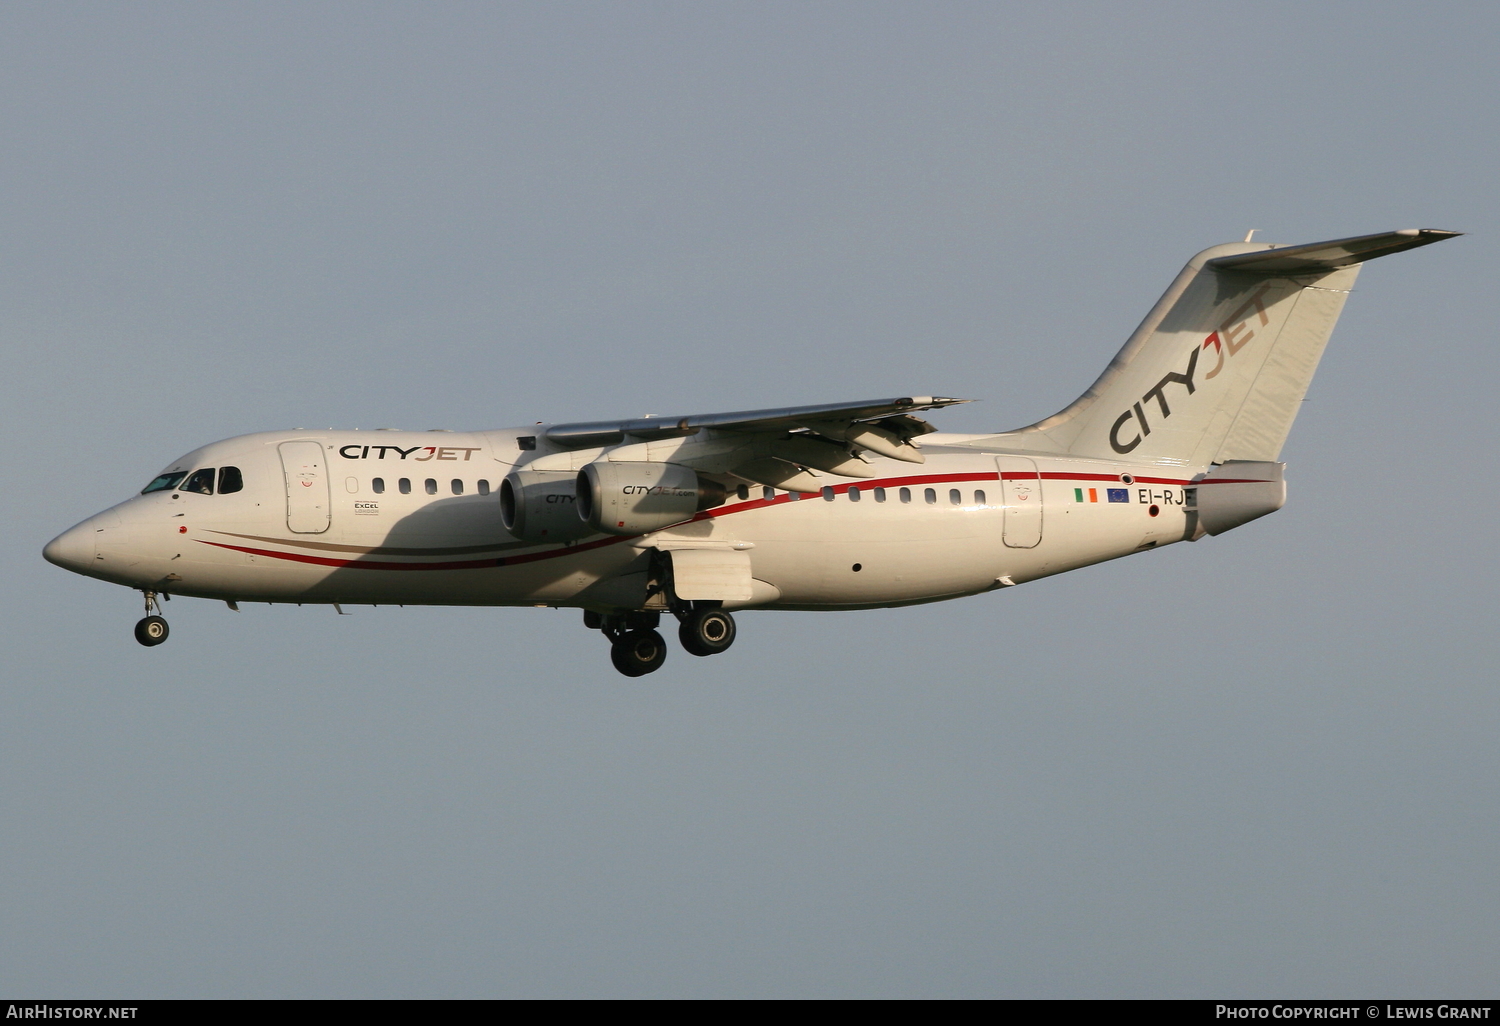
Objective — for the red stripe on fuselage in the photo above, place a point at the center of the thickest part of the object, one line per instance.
(840, 489)
(372, 564)
(1058, 475)
(1069, 476)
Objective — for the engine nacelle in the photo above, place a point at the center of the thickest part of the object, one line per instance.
(541, 506)
(633, 498)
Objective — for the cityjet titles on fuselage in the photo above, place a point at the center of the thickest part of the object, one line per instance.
(430, 452)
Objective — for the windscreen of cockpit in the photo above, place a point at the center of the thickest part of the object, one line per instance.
(201, 481)
(164, 482)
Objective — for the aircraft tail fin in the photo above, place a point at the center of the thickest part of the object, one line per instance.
(1219, 367)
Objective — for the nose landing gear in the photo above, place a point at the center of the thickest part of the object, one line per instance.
(152, 630)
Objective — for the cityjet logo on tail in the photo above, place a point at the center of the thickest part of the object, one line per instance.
(1233, 335)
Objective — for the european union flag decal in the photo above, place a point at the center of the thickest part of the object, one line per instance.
(1119, 494)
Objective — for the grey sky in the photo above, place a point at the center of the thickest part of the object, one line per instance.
(1262, 763)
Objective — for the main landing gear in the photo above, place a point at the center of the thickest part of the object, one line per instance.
(639, 652)
(637, 648)
(152, 630)
(706, 632)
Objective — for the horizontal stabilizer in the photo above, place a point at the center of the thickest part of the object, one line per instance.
(1327, 256)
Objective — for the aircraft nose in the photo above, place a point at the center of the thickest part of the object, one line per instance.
(73, 549)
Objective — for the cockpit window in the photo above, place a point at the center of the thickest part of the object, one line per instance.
(201, 482)
(164, 482)
(230, 480)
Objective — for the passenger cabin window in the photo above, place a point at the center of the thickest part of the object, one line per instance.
(767, 492)
(230, 480)
(955, 497)
(979, 498)
(906, 495)
(484, 487)
(457, 486)
(201, 481)
(853, 494)
(929, 494)
(404, 486)
(431, 486)
(377, 485)
(827, 494)
(743, 491)
(880, 495)
(164, 482)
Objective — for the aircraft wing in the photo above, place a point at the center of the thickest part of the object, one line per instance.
(613, 432)
(781, 448)
(1319, 257)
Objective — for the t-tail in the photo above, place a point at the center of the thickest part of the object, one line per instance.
(1219, 367)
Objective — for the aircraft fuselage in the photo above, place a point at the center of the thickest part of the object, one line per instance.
(413, 518)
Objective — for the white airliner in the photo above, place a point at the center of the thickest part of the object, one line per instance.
(841, 506)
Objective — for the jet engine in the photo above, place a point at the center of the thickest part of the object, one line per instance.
(633, 498)
(540, 506)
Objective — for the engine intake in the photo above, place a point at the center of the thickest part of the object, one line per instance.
(633, 498)
(540, 506)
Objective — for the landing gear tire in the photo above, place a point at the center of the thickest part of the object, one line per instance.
(706, 632)
(637, 653)
(151, 631)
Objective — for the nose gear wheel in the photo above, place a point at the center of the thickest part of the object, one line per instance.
(151, 631)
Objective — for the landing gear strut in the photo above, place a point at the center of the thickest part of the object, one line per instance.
(637, 648)
(152, 630)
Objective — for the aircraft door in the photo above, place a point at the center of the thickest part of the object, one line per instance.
(1021, 491)
(307, 499)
